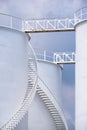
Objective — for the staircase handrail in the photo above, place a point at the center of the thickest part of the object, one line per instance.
(25, 104)
(45, 88)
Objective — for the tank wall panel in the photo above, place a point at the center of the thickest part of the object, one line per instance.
(39, 116)
(81, 76)
(13, 71)
(51, 75)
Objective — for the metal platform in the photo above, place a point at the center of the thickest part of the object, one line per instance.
(43, 25)
(48, 25)
(57, 57)
(64, 58)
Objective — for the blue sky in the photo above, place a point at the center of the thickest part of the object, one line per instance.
(55, 42)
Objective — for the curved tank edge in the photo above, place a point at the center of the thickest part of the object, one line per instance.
(81, 22)
(50, 62)
(24, 33)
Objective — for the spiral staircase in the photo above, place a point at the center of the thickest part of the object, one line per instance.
(35, 84)
(29, 95)
(39, 87)
(53, 107)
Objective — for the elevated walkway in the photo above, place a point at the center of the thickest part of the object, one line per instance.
(56, 57)
(43, 25)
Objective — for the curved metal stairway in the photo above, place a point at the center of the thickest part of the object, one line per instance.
(29, 95)
(45, 94)
(52, 105)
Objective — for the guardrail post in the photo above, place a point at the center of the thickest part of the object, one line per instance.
(54, 57)
(11, 22)
(44, 55)
(81, 14)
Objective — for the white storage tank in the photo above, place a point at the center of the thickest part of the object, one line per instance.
(13, 72)
(18, 85)
(40, 117)
(51, 74)
(81, 75)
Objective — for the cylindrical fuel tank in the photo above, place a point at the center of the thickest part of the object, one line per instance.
(13, 71)
(39, 116)
(51, 74)
(81, 76)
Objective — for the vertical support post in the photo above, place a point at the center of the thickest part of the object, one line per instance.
(81, 14)
(23, 25)
(76, 18)
(36, 25)
(54, 57)
(11, 22)
(44, 55)
(64, 56)
(66, 23)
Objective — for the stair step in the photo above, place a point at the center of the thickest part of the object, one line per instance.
(58, 124)
(41, 93)
(45, 98)
(53, 112)
(48, 104)
(57, 121)
(39, 89)
(56, 115)
(52, 109)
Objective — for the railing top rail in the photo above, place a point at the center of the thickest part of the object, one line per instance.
(81, 14)
(10, 16)
(43, 24)
(29, 95)
(56, 57)
(53, 99)
(85, 7)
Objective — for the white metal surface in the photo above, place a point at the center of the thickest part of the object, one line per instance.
(53, 25)
(50, 73)
(52, 105)
(13, 74)
(25, 70)
(81, 76)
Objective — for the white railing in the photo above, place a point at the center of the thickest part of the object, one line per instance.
(64, 58)
(80, 15)
(10, 21)
(37, 25)
(49, 94)
(56, 57)
(44, 55)
(29, 95)
(43, 25)
(46, 25)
